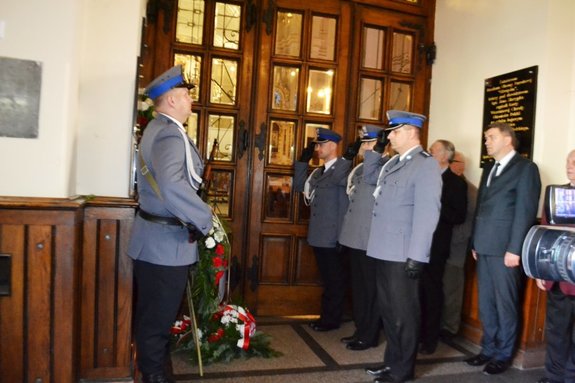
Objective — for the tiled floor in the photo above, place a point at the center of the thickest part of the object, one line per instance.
(311, 357)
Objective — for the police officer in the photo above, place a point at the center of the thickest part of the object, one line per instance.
(405, 214)
(324, 192)
(354, 236)
(171, 218)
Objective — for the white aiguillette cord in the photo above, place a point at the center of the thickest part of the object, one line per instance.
(192, 175)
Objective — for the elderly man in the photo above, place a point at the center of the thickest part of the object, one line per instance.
(405, 214)
(506, 209)
(171, 218)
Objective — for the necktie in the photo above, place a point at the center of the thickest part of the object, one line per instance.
(322, 169)
(493, 173)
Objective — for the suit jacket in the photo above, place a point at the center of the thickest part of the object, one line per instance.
(453, 212)
(357, 219)
(407, 205)
(459, 248)
(329, 201)
(506, 209)
(163, 150)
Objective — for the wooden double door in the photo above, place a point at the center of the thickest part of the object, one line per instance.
(268, 73)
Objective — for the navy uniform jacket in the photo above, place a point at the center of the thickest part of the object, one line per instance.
(329, 201)
(357, 219)
(164, 152)
(407, 205)
(506, 209)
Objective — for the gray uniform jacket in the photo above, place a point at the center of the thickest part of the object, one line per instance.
(407, 205)
(329, 201)
(164, 152)
(357, 219)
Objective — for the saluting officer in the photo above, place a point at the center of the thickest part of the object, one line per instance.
(171, 218)
(353, 238)
(324, 192)
(405, 214)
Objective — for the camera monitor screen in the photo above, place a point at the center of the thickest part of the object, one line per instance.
(560, 204)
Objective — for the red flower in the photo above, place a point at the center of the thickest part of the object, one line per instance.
(220, 249)
(214, 337)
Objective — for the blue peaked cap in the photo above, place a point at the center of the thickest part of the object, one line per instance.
(398, 118)
(325, 135)
(170, 79)
(369, 132)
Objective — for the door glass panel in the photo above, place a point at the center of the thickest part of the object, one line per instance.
(373, 45)
(278, 199)
(323, 38)
(221, 128)
(220, 192)
(192, 127)
(227, 26)
(288, 34)
(400, 96)
(310, 135)
(281, 146)
(192, 67)
(190, 21)
(285, 88)
(319, 91)
(370, 93)
(402, 53)
(224, 81)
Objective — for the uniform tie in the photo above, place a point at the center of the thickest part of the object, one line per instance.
(493, 173)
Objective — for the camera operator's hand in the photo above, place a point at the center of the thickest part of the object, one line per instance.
(352, 150)
(194, 233)
(413, 268)
(307, 152)
(382, 141)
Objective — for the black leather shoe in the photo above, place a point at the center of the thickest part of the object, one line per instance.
(389, 377)
(377, 370)
(547, 380)
(496, 367)
(478, 360)
(360, 345)
(446, 335)
(348, 339)
(324, 327)
(427, 349)
(156, 378)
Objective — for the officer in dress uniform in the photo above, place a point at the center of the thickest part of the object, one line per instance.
(405, 214)
(324, 191)
(353, 238)
(172, 217)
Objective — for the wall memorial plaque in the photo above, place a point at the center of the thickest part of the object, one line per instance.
(20, 82)
(511, 98)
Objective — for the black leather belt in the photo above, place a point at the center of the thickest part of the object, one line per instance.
(159, 219)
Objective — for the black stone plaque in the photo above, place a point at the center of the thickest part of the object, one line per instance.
(511, 98)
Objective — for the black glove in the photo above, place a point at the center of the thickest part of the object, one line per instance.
(352, 149)
(194, 233)
(413, 268)
(307, 152)
(382, 141)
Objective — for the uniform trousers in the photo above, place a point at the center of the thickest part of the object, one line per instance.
(560, 336)
(398, 298)
(330, 262)
(363, 294)
(159, 294)
(499, 291)
(432, 301)
(453, 285)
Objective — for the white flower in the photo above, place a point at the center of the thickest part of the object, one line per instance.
(219, 236)
(210, 243)
(199, 333)
(211, 232)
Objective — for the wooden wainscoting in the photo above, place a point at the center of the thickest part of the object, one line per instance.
(68, 315)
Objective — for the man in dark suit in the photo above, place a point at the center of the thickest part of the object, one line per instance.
(171, 218)
(506, 209)
(453, 211)
(405, 214)
(324, 192)
(560, 319)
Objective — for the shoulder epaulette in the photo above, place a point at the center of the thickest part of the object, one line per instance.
(425, 153)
